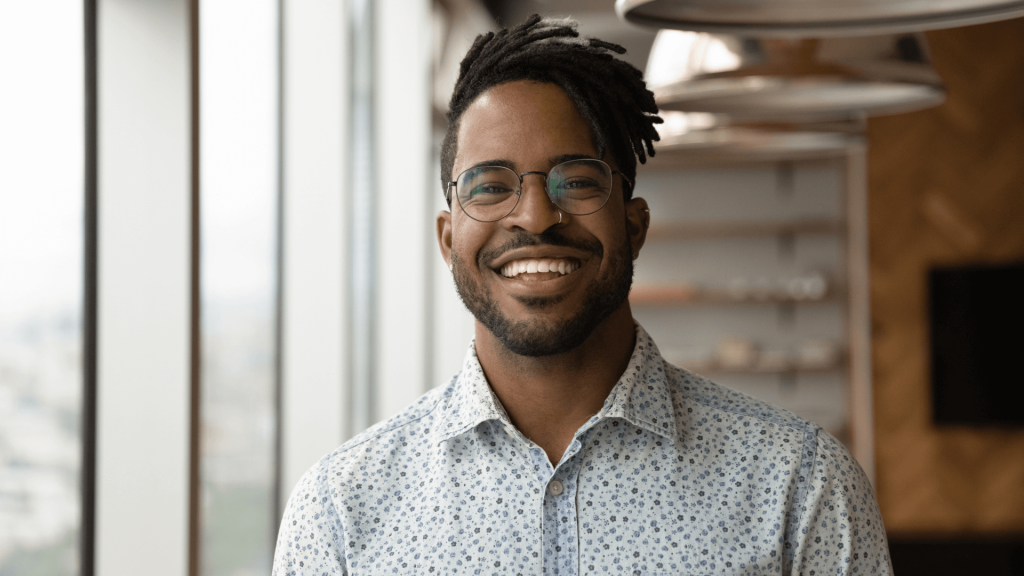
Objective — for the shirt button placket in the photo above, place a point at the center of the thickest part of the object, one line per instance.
(561, 501)
(542, 467)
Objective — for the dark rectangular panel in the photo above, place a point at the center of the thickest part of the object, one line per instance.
(957, 557)
(977, 314)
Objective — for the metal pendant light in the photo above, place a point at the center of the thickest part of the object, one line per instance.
(792, 80)
(698, 138)
(814, 18)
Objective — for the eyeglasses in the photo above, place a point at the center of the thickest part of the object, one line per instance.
(490, 193)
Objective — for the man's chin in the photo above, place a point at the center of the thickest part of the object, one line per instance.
(536, 338)
(546, 328)
(536, 303)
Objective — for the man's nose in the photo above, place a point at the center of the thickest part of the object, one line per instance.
(535, 212)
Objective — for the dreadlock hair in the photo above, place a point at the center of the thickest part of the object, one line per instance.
(609, 93)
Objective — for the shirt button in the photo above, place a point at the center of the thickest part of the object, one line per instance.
(555, 488)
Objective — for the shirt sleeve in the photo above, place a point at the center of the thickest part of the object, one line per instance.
(839, 530)
(311, 539)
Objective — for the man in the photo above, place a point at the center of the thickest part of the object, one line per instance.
(566, 444)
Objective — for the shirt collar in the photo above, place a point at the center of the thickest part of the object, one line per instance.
(641, 396)
(472, 401)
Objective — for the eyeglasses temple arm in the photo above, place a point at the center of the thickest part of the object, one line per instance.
(628, 181)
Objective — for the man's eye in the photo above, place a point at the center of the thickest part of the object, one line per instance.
(579, 189)
(579, 183)
(489, 188)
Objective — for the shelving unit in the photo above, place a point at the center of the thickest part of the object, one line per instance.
(714, 223)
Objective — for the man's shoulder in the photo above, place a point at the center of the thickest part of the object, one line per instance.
(701, 404)
(698, 391)
(408, 432)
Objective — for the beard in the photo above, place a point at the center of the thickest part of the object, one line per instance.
(532, 336)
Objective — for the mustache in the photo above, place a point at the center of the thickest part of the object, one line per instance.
(549, 237)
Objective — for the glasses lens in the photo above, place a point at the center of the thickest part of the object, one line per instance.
(580, 186)
(488, 193)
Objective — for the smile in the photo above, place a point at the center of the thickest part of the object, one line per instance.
(562, 266)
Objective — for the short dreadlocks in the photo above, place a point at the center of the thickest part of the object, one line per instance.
(609, 93)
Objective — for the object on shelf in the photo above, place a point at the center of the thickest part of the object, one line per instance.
(736, 353)
(814, 18)
(740, 355)
(812, 287)
(818, 353)
(791, 80)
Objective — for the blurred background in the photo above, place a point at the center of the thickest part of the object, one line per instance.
(218, 259)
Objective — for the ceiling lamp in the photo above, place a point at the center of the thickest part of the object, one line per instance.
(794, 80)
(697, 139)
(814, 18)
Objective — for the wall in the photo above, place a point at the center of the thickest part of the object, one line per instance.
(946, 187)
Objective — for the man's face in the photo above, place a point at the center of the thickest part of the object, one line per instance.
(531, 127)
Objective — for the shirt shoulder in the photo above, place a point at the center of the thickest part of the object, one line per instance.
(312, 537)
(415, 422)
(833, 524)
(697, 397)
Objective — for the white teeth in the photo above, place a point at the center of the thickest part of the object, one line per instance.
(513, 269)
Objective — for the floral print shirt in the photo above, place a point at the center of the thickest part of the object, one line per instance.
(675, 475)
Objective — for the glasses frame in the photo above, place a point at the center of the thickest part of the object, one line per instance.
(519, 191)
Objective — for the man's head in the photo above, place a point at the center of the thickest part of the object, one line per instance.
(531, 117)
(609, 93)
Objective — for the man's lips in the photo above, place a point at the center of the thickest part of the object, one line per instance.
(540, 252)
(531, 258)
(543, 262)
(547, 266)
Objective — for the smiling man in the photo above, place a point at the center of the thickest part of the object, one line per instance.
(566, 444)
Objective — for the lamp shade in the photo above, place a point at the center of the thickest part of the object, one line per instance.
(814, 18)
(792, 80)
(694, 138)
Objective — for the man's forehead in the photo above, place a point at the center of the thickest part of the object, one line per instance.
(524, 96)
(522, 118)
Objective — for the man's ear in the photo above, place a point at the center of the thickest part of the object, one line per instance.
(444, 236)
(638, 221)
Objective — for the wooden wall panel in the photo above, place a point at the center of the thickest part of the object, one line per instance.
(946, 186)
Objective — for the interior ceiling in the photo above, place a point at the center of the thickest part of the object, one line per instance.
(596, 17)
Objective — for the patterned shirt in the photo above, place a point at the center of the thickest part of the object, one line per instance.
(675, 475)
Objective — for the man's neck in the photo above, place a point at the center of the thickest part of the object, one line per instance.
(548, 398)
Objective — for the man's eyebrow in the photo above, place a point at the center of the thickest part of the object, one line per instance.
(567, 157)
(503, 163)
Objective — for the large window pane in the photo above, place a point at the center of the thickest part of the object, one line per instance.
(238, 188)
(41, 192)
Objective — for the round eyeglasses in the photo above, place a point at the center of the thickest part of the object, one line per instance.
(490, 193)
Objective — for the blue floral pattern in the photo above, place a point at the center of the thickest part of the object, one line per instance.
(675, 475)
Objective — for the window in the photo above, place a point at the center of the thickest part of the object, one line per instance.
(41, 192)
